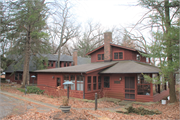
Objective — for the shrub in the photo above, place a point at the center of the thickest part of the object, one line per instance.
(32, 89)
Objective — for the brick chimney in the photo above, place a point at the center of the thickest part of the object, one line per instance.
(75, 57)
(107, 46)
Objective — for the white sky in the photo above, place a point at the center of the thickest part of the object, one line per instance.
(109, 12)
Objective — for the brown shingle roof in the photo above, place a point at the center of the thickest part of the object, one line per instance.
(85, 68)
(131, 67)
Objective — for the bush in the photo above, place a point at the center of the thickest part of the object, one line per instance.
(32, 89)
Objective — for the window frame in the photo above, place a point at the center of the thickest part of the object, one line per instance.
(94, 83)
(88, 83)
(99, 82)
(57, 81)
(16, 74)
(118, 55)
(73, 81)
(80, 82)
(141, 82)
(65, 87)
(102, 56)
(52, 64)
(106, 81)
(138, 57)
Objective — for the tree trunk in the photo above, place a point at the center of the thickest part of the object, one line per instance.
(169, 53)
(172, 91)
(26, 61)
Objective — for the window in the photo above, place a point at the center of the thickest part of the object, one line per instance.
(52, 63)
(18, 76)
(66, 78)
(118, 55)
(100, 56)
(99, 82)
(73, 80)
(67, 64)
(80, 82)
(94, 82)
(143, 87)
(58, 82)
(147, 60)
(64, 64)
(138, 57)
(106, 82)
(89, 83)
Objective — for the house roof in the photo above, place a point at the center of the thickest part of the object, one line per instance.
(51, 57)
(131, 67)
(127, 48)
(85, 68)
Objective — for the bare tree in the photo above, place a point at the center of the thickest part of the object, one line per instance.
(91, 38)
(64, 25)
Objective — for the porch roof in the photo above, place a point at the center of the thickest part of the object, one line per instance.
(131, 67)
(85, 68)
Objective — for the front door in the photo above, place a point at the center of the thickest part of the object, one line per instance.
(129, 88)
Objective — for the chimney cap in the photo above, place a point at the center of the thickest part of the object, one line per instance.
(107, 32)
(75, 49)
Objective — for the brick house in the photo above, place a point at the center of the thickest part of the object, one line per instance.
(16, 75)
(115, 71)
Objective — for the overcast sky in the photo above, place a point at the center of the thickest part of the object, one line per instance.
(109, 12)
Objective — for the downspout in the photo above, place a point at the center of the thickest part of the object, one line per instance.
(83, 86)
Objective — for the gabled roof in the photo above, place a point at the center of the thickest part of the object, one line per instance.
(85, 68)
(127, 48)
(131, 67)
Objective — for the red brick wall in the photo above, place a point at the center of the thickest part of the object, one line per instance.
(107, 46)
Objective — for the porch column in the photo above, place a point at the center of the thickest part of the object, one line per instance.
(151, 87)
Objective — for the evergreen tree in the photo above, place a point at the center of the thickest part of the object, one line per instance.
(28, 24)
(166, 47)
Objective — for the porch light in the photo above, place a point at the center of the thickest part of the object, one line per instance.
(120, 78)
(68, 83)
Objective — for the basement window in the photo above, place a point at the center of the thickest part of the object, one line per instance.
(106, 82)
(94, 82)
(89, 83)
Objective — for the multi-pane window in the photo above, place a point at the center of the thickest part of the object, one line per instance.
(106, 82)
(143, 87)
(58, 82)
(99, 82)
(89, 83)
(94, 82)
(73, 81)
(51, 63)
(138, 57)
(80, 82)
(18, 76)
(64, 64)
(66, 78)
(100, 56)
(118, 55)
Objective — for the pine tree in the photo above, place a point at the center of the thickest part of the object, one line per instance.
(166, 47)
(28, 24)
